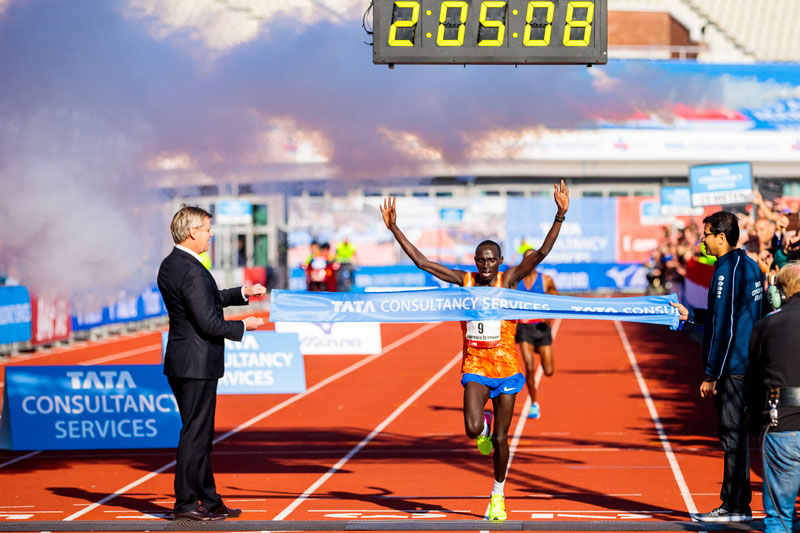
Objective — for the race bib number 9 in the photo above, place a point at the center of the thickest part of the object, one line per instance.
(483, 333)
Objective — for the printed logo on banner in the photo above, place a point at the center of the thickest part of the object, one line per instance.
(336, 338)
(263, 362)
(15, 315)
(79, 407)
(587, 236)
(724, 184)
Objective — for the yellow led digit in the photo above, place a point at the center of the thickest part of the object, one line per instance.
(585, 24)
(533, 23)
(408, 26)
(446, 25)
(489, 24)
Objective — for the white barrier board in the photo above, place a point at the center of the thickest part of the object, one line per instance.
(335, 338)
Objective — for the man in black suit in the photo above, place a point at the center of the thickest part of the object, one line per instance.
(194, 360)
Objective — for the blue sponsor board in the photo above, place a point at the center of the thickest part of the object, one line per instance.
(148, 304)
(370, 277)
(569, 277)
(15, 314)
(581, 277)
(80, 407)
(234, 212)
(588, 235)
(722, 184)
(263, 362)
(676, 201)
(451, 215)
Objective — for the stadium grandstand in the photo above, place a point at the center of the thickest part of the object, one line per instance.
(713, 31)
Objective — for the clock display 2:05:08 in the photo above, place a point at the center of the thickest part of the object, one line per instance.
(492, 20)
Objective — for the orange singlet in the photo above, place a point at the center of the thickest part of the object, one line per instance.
(493, 358)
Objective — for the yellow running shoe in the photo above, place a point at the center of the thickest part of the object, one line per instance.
(497, 508)
(484, 442)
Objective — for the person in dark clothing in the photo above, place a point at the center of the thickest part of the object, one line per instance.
(734, 306)
(774, 363)
(194, 359)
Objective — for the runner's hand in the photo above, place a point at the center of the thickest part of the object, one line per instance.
(388, 211)
(561, 195)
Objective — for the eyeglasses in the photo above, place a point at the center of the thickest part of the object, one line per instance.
(703, 239)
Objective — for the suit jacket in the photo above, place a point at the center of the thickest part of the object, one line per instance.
(197, 327)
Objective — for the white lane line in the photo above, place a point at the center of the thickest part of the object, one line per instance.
(375, 432)
(662, 435)
(73, 346)
(523, 417)
(285, 403)
(121, 355)
(20, 458)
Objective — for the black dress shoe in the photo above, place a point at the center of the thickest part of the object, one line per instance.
(200, 514)
(227, 512)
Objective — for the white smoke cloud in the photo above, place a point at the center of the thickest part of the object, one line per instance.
(74, 219)
(222, 25)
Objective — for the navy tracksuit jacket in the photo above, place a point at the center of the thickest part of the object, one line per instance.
(734, 306)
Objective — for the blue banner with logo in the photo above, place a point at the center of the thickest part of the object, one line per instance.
(588, 235)
(15, 314)
(148, 304)
(80, 407)
(263, 362)
(474, 303)
(568, 277)
(580, 277)
(723, 184)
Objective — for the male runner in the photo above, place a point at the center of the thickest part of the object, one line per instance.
(490, 368)
(534, 335)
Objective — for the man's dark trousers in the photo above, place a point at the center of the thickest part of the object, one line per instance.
(197, 401)
(730, 404)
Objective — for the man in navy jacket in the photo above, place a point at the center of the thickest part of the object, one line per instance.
(194, 359)
(734, 306)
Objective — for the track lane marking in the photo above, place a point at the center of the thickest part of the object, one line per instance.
(662, 435)
(355, 366)
(366, 440)
(73, 347)
(121, 355)
(20, 458)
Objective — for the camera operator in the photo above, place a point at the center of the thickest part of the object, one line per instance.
(774, 374)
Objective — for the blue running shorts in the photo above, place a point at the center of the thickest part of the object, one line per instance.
(497, 386)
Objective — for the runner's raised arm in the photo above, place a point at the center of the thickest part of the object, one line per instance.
(515, 274)
(440, 271)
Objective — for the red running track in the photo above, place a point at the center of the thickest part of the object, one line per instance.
(624, 437)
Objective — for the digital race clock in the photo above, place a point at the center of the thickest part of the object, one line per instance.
(490, 31)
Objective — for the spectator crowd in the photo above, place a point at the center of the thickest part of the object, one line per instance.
(768, 233)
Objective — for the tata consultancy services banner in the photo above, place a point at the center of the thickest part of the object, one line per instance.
(263, 362)
(79, 407)
(473, 303)
(588, 235)
(724, 184)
